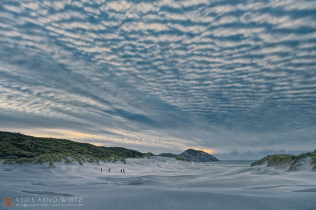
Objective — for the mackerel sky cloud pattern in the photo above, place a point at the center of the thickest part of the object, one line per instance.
(161, 75)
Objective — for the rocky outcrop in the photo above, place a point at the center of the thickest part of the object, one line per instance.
(197, 156)
(192, 156)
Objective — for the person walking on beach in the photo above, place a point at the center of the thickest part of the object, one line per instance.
(109, 170)
(123, 170)
(101, 169)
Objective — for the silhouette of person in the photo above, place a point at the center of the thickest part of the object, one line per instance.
(101, 169)
(123, 170)
(109, 170)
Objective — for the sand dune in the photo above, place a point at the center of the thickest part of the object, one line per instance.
(157, 183)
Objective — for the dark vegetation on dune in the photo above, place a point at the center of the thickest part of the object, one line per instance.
(292, 161)
(19, 148)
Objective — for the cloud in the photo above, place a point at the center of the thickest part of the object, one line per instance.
(255, 155)
(165, 74)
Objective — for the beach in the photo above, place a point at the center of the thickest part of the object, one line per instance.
(157, 183)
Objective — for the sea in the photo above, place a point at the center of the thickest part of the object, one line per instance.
(235, 163)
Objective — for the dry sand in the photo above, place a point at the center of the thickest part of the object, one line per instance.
(157, 183)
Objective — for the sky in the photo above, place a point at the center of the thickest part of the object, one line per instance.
(234, 78)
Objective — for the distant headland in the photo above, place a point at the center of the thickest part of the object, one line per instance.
(192, 155)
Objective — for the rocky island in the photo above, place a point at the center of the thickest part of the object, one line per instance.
(192, 155)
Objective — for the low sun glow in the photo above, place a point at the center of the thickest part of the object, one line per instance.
(207, 150)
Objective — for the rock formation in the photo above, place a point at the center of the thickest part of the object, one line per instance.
(192, 156)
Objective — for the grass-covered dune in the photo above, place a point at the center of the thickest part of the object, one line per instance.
(290, 162)
(19, 148)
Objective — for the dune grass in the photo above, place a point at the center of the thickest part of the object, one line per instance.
(148, 155)
(287, 160)
(181, 158)
(19, 148)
